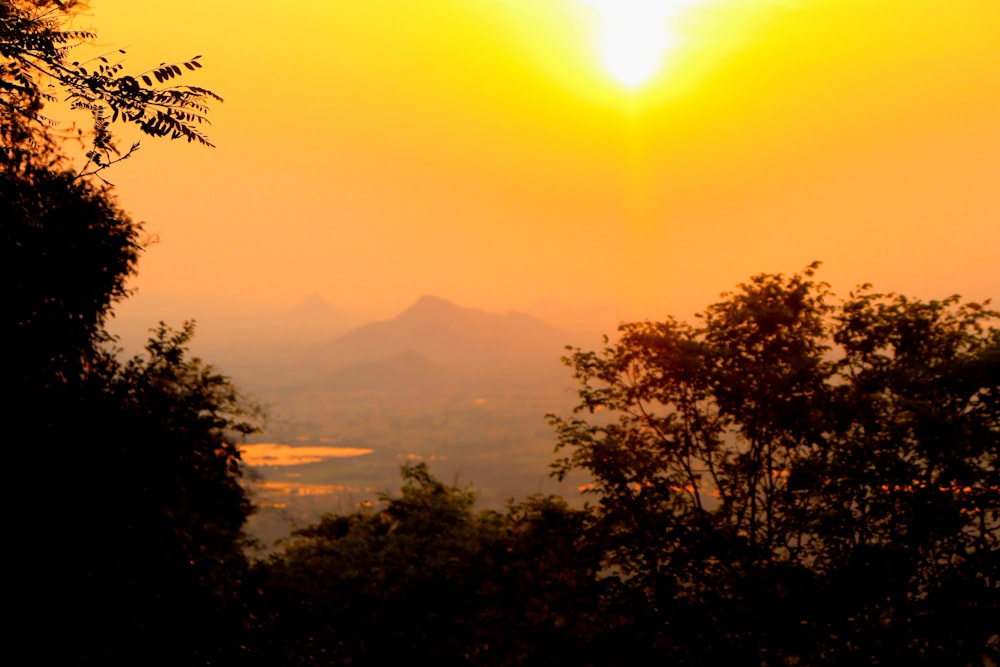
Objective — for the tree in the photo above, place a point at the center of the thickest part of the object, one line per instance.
(35, 55)
(127, 476)
(160, 508)
(67, 250)
(425, 578)
(837, 464)
(67, 247)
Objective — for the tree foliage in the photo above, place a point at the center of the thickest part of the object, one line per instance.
(67, 251)
(37, 69)
(836, 464)
(142, 453)
(428, 579)
(157, 479)
(127, 476)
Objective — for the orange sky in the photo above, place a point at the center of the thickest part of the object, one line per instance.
(372, 151)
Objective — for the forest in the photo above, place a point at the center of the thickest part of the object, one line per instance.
(795, 478)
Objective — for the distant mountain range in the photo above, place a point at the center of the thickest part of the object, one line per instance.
(404, 372)
(438, 343)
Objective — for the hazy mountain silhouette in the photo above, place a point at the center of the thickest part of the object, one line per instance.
(471, 342)
(592, 320)
(405, 372)
(315, 307)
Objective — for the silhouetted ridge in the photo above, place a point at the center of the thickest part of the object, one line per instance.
(429, 302)
(467, 340)
(431, 310)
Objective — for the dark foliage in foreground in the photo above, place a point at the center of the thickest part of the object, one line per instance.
(125, 475)
(140, 548)
(798, 482)
(427, 579)
(792, 481)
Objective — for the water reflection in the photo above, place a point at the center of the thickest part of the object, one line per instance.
(272, 454)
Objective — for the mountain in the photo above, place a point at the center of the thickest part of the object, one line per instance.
(592, 320)
(314, 315)
(404, 373)
(475, 343)
(315, 306)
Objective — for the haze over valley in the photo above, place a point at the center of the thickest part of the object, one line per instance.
(459, 387)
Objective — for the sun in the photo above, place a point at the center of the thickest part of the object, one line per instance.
(631, 54)
(636, 36)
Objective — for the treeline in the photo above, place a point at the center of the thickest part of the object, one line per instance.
(428, 579)
(796, 479)
(790, 482)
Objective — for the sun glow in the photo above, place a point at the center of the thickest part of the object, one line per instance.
(636, 36)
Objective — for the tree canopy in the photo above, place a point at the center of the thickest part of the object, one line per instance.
(146, 452)
(128, 477)
(796, 480)
(424, 577)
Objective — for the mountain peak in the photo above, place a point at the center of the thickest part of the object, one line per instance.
(429, 306)
(458, 337)
(431, 301)
(314, 304)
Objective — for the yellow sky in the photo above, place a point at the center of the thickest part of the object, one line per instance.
(374, 150)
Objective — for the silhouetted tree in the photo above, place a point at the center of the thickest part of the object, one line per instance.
(126, 474)
(36, 69)
(140, 456)
(794, 481)
(148, 456)
(428, 579)
(67, 252)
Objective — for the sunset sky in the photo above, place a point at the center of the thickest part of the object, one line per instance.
(371, 151)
